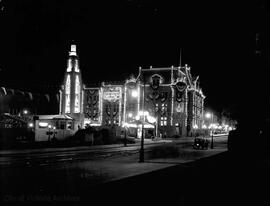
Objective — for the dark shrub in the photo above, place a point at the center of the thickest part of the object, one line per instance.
(176, 136)
(120, 140)
(108, 135)
(98, 138)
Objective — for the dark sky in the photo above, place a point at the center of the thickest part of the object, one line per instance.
(114, 38)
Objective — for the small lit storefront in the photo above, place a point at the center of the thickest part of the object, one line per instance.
(53, 127)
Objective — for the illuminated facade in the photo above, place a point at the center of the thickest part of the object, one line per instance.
(166, 101)
(71, 94)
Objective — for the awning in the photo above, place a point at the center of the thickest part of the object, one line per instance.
(57, 116)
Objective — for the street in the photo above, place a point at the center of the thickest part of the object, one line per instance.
(71, 176)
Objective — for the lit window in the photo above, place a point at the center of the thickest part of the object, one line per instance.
(73, 48)
(69, 125)
(67, 90)
(77, 95)
(76, 66)
(69, 66)
(156, 80)
(163, 121)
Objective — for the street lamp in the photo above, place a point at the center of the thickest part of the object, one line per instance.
(125, 134)
(49, 133)
(141, 158)
(209, 115)
(212, 140)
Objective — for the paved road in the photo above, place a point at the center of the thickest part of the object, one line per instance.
(78, 179)
(49, 156)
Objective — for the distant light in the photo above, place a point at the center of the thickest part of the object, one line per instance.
(140, 113)
(151, 119)
(130, 115)
(31, 125)
(143, 113)
(134, 93)
(25, 111)
(54, 127)
(129, 125)
(95, 124)
(49, 126)
(207, 115)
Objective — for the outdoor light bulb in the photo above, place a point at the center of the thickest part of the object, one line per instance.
(134, 93)
(137, 117)
(151, 119)
(25, 111)
(140, 113)
(146, 113)
(31, 124)
(207, 115)
(129, 115)
(49, 126)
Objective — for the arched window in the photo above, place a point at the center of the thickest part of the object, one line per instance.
(156, 80)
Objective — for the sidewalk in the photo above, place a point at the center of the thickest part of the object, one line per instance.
(94, 147)
(123, 168)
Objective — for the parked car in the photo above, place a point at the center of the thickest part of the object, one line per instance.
(200, 143)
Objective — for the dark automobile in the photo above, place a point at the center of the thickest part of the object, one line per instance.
(200, 143)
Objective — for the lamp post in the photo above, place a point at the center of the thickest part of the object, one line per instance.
(208, 116)
(49, 133)
(141, 158)
(125, 140)
(212, 140)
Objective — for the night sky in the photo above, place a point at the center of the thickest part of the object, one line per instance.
(114, 38)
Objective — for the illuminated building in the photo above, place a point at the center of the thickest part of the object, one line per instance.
(71, 93)
(170, 98)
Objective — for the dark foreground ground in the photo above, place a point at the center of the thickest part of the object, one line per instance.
(215, 180)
